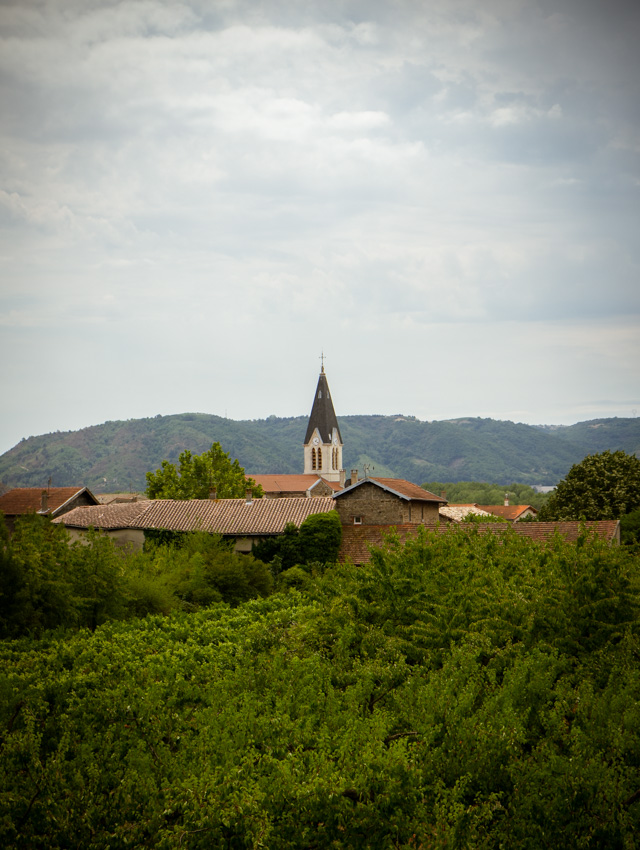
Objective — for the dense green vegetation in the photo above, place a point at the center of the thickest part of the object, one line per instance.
(117, 455)
(461, 691)
(602, 486)
(315, 543)
(46, 583)
(480, 493)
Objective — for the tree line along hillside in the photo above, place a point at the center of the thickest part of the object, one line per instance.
(482, 493)
(115, 456)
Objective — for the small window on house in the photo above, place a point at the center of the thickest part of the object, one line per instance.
(357, 520)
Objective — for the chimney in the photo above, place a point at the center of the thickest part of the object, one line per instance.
(506, 500)
(354, 476)
(249, 495)
(443, 493)
(213, 494)
(44, 502)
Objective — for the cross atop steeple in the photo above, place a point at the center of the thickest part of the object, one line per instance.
(322, 366)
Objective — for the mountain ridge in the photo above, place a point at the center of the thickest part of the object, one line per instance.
(116, 454)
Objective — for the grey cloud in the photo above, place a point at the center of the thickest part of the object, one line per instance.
(315, 167)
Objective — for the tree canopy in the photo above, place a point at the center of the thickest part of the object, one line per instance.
(602, 486)
(196, 476)
(317, 541)
(483, 493)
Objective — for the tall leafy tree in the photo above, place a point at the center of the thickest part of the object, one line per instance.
(602, 486)
(320, 538)
(195, 476)
(317, 541)
(38, 587)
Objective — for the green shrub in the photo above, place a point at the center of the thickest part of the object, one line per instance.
(294, 577)
(320, 538)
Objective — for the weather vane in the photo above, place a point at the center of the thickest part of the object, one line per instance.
(322, 359)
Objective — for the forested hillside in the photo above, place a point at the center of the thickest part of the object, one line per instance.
(116, 455)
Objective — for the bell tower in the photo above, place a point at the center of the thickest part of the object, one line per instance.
(323, 442)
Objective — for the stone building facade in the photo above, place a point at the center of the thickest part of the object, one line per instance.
(387, 501)
(47, 501)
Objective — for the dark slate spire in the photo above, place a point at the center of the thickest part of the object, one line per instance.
(323, 416)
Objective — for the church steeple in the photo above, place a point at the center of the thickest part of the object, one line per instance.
(323, 441)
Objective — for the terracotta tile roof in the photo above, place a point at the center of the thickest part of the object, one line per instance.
(25, 500)
(291, 483)
(459, 512)
(508, 512)
(336, 486)
(607, 529)
(357, 540)
(223, 516)
(107, 517)
(108, 498)
(404, 489)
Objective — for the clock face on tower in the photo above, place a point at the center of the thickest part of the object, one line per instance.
(315, 441)
(335, 441)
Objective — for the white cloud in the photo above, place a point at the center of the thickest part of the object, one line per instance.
(377, 176)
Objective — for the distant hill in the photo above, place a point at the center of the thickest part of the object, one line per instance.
(116, 455)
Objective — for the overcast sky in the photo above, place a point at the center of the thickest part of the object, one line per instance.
(198, 198)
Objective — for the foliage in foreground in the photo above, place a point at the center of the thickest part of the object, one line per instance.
(460, 691)
(47, 583)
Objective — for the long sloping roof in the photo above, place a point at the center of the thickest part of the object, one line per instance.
(287, 483)
(222, 516)
(107, 517)
(323, 416)
(508, 512)
(357, 540)
(405, 490)
(459, 512)
(25, 500)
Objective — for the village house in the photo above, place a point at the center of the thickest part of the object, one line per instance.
(50, 501)
(295, 486)
(386, 501)
(242, 521)
(370, 508)
(512, 513)
(458, 511)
